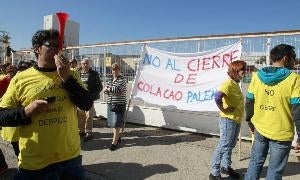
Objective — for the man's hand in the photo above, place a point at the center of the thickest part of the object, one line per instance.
(36, 107)
(107, 90)
(63, 66)
(297, 146)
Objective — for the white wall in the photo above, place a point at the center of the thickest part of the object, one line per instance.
(199, 122)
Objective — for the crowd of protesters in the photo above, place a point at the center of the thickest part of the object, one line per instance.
(47, 106)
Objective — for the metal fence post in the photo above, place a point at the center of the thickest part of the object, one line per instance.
(104, 66)
(268, 51)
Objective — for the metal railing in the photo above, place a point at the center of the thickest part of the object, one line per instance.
(256, 47)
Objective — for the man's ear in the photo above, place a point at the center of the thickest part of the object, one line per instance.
(285, 59)
(36, 50)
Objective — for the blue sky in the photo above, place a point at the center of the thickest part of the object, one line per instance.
(122, 20)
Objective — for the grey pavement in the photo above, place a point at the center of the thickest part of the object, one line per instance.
(153, 153)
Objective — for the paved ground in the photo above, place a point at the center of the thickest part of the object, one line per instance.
(153, 153)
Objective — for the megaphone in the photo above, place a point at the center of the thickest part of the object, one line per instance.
(62, 19)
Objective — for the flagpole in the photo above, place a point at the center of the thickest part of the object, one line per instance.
(125, 115)
(129, 101)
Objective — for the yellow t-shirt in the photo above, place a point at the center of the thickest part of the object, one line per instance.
(233, 98)
(52, 136)
(272, 106)
(10, 134)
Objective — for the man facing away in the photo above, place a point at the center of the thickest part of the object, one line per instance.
(92, 82)
(46, 96)
(272, 109)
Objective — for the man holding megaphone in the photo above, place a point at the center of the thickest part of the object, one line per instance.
(45, 99)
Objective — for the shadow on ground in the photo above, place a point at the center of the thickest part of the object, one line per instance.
(141, 138)
(292, 168)
(130, 171)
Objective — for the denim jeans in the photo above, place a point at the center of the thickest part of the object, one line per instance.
(70, 169)
(229, 131)
(279, 154)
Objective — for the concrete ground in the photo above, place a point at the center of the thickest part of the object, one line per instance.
(153, 153)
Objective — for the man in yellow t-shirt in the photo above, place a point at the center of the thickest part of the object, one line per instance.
(272, 109)
(45, 98)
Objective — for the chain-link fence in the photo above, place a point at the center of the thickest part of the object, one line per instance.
(256, 47)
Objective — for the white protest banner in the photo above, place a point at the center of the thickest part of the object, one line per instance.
(183, 81)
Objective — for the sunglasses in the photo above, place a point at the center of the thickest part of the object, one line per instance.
(50, 45)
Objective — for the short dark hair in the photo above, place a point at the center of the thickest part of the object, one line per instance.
(4, 66)
(41, 36)
(281, 50)
(23, 65)
(10, 69)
